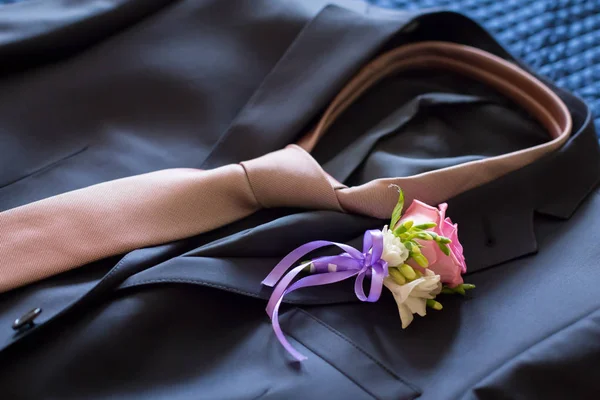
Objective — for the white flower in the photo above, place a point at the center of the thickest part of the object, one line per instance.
(412, 297)
(394, 252)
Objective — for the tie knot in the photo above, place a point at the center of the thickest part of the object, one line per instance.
(291, 178)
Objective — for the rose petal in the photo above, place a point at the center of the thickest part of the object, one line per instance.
(450, 230)
(421, 213)
(442, 207)
(448, 268)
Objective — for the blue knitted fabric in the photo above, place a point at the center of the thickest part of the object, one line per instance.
(558, 38)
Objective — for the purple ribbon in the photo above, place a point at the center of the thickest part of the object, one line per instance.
(326, 270)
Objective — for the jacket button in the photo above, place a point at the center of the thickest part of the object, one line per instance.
(26, 319)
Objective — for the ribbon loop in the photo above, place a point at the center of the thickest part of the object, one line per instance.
(326, 270)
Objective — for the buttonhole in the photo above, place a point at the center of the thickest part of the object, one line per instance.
(490, 241)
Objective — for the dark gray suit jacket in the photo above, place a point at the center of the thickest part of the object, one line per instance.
(97, 90)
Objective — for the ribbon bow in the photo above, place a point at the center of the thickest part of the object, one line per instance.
(326, 270)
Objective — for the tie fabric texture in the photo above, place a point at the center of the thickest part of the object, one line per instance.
(72, 229)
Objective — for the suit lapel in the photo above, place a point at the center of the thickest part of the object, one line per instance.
(496, 221)
(323, 57)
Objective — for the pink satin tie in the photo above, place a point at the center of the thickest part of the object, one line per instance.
(63, 232)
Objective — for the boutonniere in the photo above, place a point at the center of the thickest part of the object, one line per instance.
(417, 257)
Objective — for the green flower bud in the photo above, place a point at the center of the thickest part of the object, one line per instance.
(408, 224)
(434, 304)
(427, 225)
(444, 239)
(444, 248)
(397, 276)
(414, 247)
(407, 271)
(399, 230)
(421, 260)
(460, 290)
(424, 236)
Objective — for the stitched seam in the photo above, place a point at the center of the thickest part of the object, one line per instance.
(223, 287)
(93, 290)
(521, 352)
(111, 272)
(363, 352)
(45, 167)
(198, 252)
(192, 281)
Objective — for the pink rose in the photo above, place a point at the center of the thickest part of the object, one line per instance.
(449, 267)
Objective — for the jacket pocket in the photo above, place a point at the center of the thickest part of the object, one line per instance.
(366, 372)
